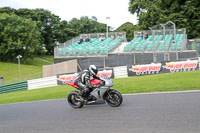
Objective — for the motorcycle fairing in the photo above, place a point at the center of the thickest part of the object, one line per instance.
(72, 83)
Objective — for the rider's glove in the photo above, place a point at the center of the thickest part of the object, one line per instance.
(102, 83)
(99, 85)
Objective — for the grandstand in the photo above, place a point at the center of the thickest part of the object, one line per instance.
(95, 47)
(162, 44)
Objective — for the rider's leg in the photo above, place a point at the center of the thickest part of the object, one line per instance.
(83, 88)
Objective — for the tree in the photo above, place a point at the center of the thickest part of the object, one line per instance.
(129, 28)
(7, 10)
(184, 13)
(46, 22)
(52, 29)
(94, 18)
(63, 32)
(18, 36)
(86, 25)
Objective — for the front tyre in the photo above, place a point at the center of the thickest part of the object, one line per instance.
(114, 98)
(74, 99)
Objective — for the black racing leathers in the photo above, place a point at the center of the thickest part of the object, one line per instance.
(83, 82)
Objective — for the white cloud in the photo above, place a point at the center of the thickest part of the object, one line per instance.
(117, 10)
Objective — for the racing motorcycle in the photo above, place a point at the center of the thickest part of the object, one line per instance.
(101, 95)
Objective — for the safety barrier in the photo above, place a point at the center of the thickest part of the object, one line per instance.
(20, 86)
(199, 63)
(72, 77)
(116, 72)
(42, 83)
(63, 67)
(120, 72)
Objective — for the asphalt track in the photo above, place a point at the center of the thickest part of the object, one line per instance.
(145, 113)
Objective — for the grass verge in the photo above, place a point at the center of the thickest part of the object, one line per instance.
(151, 83)
(49, 58)
(31, 70)
(11, 70)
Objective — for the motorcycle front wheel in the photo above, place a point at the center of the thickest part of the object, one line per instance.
(74, 99)
(114, 98)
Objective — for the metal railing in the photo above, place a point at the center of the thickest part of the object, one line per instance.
(163, 38)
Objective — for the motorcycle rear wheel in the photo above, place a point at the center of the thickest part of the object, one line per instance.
(114, 98)
(73, 100)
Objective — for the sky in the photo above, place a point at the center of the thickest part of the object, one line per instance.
(116, 10)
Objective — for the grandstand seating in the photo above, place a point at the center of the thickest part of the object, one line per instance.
(164, 44)
(160, 43)
(94, 47)
(168, 39)
(97, 47)
(177, 44)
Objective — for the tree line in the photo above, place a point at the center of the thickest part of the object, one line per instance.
(30, 32)
(184, 13)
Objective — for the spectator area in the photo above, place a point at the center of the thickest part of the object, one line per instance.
(160, 43)
(95, 46)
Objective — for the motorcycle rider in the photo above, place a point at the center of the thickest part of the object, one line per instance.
(83, 80)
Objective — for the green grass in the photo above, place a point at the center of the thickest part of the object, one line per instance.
(160, 82)
(151, 83)
(36, 62)
(49, 58)
(11, 70)
(35, 95)
(31, 70)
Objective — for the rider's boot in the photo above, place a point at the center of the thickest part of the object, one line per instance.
(83, 96)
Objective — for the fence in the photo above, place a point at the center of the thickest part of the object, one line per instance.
(20, 86)
(194, 44)
(42, 82)
(64, 67)
(120, 72)
(123, 59)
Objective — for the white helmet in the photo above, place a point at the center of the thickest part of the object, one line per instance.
(93, 69)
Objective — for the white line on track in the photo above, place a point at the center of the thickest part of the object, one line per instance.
(166, 92)
(135, 94)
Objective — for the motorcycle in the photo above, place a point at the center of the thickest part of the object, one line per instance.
(101, 95)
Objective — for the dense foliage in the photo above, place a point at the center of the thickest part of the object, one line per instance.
(18, 36)
(30, 31)
(129, 28)
(184, 13)
(27, 31)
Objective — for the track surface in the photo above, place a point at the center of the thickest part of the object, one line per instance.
(152, 113)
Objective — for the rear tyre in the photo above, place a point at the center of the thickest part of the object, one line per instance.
(74, 99)
(114, 98)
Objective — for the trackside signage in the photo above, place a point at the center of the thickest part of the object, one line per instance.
(164, 67)
(63, 78)
(189, 65)
(145, 69)
(105, 73)
(68, 77)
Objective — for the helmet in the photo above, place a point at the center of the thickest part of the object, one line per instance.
(93, 69)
